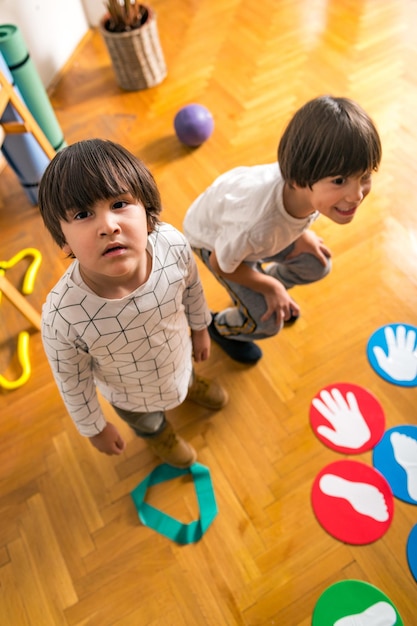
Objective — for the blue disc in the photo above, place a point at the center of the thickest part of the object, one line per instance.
(392, 353)
(395, 456)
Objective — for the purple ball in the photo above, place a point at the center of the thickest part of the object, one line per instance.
(193, 124)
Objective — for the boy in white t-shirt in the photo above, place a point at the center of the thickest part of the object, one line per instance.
(251, 226)
(129, 314)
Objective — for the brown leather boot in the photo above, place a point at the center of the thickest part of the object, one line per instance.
(171, 448)
(207, 393)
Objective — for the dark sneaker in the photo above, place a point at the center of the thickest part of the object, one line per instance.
(242, 351)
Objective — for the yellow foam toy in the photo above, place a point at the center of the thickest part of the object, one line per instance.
(15, 297)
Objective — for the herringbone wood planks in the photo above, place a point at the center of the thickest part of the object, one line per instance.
(72, 551)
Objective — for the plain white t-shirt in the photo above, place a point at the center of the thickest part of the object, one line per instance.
(242, 217)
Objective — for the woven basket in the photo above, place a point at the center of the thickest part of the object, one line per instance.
(137, 56)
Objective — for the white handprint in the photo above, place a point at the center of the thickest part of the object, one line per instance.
(350, 429)
(401, 361)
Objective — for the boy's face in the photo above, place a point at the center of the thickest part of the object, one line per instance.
(109, 240)
(338, 198)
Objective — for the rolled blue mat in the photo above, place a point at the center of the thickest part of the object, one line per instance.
(21, 150)
(27, 80)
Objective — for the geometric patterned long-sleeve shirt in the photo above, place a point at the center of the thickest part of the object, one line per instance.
(136, 350)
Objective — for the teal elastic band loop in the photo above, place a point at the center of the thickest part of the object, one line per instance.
(165, 524)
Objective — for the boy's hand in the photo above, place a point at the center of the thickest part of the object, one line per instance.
(278, 302)
(201, 344)
(109, 440)
(311, 243)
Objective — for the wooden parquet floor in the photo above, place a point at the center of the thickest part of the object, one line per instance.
(72, 550)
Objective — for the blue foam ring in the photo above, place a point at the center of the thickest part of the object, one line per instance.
(21, 150)
(165, 524)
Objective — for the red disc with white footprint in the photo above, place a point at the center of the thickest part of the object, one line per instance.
(353, 502)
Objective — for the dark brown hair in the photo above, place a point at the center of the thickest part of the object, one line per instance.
(328, 136)
(89, 171)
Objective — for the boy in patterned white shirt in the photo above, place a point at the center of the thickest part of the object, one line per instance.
(129, 314)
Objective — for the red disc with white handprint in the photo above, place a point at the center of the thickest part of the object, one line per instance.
(347, 418)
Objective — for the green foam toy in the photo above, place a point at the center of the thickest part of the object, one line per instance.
(167, 525)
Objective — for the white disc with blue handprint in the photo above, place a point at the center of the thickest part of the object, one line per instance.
(392, 352)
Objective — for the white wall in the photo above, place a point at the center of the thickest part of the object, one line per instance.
(94, 10)
(51, 29)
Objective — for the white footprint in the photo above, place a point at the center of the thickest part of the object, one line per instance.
(379, 614)
(364, 498)
(405, 453)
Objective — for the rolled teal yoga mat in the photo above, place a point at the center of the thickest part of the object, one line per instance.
(27, 80)
(21, 150)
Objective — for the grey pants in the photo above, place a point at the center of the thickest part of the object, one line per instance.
(243, 321)
(146, 424)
